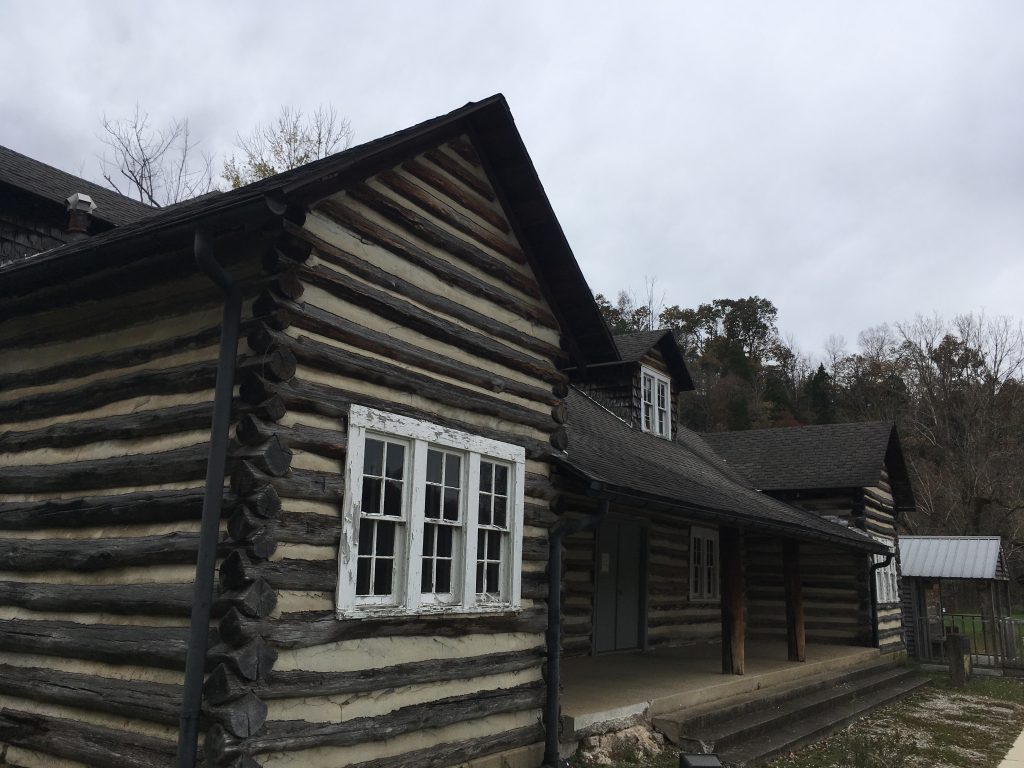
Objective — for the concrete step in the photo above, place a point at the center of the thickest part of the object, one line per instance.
(816, 724)
(695, 719)
(729, 729)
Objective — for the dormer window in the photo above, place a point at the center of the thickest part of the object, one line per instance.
(656, 403)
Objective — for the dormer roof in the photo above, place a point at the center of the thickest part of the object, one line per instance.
(634, 347)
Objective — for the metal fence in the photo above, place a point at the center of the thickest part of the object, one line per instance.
(995, 642)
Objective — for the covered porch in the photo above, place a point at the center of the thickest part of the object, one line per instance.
(602, 690)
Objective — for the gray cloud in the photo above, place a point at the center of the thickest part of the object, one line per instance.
(856, 163)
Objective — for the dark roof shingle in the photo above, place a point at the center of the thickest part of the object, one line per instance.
(55, 186)
(685, 473)
(817, 456)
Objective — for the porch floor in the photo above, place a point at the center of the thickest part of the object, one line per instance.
(600, 689)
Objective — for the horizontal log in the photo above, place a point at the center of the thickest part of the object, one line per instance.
(539, 515)
(84, 555)
(297, 484)
(286, 735)
(460, 752)
(334, 402)
(272, 457)
(436, 207)
(311, 318)
(175, 302)
(464, 148)
(398, 377)
(451, 274)
(195, 377)
(331, 443)
(275, 363)
(240, 718)
(162, 421)
(134, 699)
(252, 661)
(330, 281)
(222, 685)
(84, 743)
(426, 230)
(108, 361)
(452, 167)
(238, 569)
(441, 182)
(120, 599)
(124, 509)
(113, 643)
(256, 600)
(319, 628)
(540, 487)
(435, 326)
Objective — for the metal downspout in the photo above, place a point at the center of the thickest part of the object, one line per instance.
(202, 596)
(872, 572)
(554, 629)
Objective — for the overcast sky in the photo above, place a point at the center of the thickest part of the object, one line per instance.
(855, 162)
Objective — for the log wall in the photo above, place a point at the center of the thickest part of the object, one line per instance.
(880, 519)
(106, 391)
(672, 618)
(835, 592)
(410, 294)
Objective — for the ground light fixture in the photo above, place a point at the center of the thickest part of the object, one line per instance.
(699, 761)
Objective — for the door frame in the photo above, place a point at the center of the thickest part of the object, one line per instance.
(643, 608)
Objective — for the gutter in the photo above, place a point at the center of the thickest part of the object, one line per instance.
(202, 596)
(872, 571)
(552, 705)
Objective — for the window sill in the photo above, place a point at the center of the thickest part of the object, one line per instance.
(390, 611)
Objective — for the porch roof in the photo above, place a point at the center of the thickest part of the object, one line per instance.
(684, 474)
(952, 557)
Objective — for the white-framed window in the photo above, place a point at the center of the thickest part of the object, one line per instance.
(432, 519)
(887, 588)
(703, 564)
(655, 403)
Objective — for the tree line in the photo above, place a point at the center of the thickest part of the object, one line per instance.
(954, 388)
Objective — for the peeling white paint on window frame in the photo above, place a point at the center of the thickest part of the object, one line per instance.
(407, 598)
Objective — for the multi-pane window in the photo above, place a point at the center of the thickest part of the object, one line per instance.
(656, 405)
(703, 564)
(492, 530)
(433, 519)
(442, 523)
(382, 514)
(887, 589)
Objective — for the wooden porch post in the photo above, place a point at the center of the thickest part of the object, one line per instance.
(733, 599)
(794, 600)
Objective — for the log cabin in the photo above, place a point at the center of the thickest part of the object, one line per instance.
(853, 473)
(369, 393)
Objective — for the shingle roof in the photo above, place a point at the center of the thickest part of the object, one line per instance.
(633, 346)
(952, 557)
(685, 474)
(54, 185)
(812, 457)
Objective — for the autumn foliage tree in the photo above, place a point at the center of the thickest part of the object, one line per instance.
(955, 389)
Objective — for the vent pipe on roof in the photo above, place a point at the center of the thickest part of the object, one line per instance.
(80, 208)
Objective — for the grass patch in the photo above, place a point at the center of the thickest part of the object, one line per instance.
(941, 727)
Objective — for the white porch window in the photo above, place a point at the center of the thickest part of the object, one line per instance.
(656, 405)
(432, 519)
(703, 564)
(887, 588)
